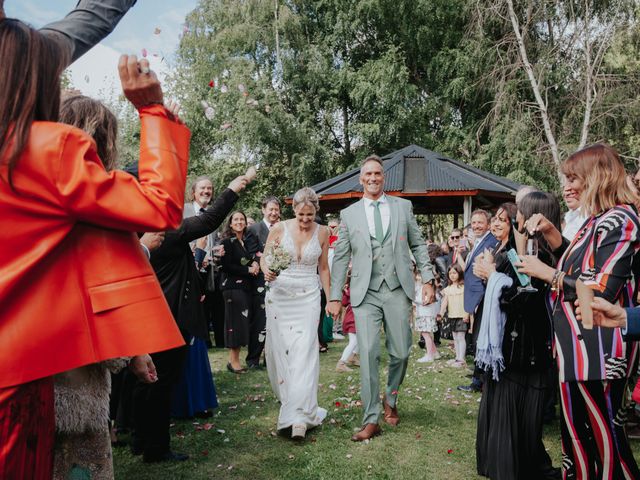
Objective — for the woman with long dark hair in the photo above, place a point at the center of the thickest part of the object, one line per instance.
(239, 270)
(594, 363)
(514, 349)
(65, 218)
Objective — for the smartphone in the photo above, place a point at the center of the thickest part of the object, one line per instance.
(513, 258)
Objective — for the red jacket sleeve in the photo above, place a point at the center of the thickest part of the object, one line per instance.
(116, 199)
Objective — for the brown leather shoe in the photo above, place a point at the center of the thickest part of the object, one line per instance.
(390, 414)
(370, 430)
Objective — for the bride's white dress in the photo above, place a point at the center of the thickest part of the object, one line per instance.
(291, 348)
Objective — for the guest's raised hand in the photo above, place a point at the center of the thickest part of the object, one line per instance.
(605, 314)
(238, 184)
(538, 223)
(139, 83)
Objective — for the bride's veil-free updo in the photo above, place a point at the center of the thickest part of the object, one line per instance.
(306, 196)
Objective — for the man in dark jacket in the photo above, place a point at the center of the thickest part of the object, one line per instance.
(174, 265)
(255, 246)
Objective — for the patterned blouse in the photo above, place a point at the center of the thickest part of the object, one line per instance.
(600, 255)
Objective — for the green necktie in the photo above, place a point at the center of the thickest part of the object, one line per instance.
(377, 221)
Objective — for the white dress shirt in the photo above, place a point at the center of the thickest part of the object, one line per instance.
(477, 242)
(573, 220)
(385, 213)
(267, 224)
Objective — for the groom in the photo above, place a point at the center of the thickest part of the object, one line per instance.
(378, 234)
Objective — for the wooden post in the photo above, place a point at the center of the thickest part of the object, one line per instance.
(466, 207)
(455, 221)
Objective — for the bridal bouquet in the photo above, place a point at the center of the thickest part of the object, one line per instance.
(277, 258)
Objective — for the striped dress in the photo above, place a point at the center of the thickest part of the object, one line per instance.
(594, 365)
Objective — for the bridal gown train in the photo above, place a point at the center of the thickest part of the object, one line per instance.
(293, 312)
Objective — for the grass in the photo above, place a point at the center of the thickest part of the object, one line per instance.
(435, 439)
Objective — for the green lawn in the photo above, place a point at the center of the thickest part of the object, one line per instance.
(435, 439)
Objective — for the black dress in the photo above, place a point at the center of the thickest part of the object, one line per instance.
(237, 285)
(509, 436)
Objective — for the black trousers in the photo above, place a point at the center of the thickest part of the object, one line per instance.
(257, 329)
(214, 310)
(152, 403)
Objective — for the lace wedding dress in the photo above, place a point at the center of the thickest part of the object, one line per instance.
(293, 312)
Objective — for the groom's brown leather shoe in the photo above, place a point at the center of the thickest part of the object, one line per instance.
(390, 414)
(370, 430)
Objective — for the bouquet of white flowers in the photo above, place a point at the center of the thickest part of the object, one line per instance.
(276, 257)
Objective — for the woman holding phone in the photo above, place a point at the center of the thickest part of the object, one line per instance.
(594, 363)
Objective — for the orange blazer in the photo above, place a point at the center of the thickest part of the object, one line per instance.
(75, 285)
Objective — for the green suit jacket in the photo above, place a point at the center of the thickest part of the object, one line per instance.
(354, 243)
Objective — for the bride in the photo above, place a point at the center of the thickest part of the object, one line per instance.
(293, 312)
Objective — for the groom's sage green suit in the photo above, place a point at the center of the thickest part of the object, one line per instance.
(382, 287)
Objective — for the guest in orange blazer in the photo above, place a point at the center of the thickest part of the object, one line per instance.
(75, 286)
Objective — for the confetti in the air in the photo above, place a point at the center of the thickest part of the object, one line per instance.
(144, 52)
(156, 31)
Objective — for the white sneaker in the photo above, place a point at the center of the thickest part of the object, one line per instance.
(425, 359)
(337, 336)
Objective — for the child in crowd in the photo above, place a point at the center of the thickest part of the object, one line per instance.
(349, 354)
(425, 322)
(453, 305)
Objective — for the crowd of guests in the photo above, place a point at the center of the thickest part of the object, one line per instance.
(124, 245)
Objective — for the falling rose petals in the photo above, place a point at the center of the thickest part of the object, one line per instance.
(226, 126)
(144, 52)
(156, 31)
(450, 451)
(211, 84)
(394, 392)
(208, 426)
(332, 386)
(338, 404)
(226, 73)
(349, 456)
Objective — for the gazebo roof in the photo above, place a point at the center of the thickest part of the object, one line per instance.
(434, 182)
(443, 174)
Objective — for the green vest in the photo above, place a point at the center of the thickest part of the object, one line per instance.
(383, 267)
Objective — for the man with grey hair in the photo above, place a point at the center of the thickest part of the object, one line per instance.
(523, 191)
(379, 234)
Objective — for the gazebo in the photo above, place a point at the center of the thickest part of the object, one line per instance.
(434, 183)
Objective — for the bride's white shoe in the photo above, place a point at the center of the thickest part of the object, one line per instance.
(298, 431)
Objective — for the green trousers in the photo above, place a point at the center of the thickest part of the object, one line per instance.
(390, 309)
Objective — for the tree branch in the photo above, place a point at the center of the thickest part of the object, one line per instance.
(535, 86)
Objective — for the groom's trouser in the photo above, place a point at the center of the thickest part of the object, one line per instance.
(391, 309)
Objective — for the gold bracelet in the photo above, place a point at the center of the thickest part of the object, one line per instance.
(554, 281)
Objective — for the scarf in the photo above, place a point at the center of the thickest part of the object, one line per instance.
(489, 343)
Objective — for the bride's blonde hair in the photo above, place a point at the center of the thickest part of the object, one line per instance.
(306, 196)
